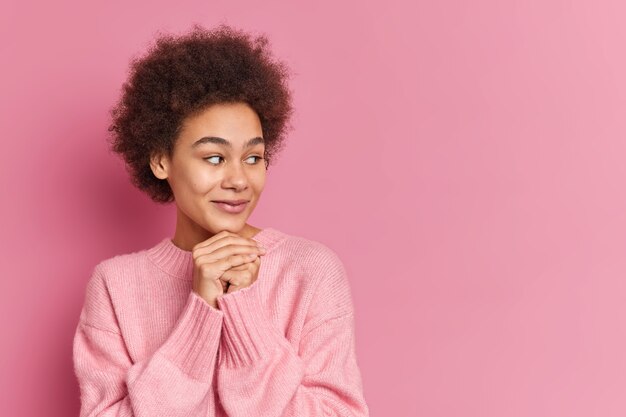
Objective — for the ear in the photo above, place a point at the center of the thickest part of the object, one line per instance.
(159, 164)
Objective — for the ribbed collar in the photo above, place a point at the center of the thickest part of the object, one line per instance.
(179, 262)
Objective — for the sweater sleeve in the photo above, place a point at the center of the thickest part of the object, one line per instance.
(260, 373)
(174, 381)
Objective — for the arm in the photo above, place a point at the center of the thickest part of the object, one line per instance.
(260, 373)
(173, 381)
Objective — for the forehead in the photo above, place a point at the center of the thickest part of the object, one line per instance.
(235, 123)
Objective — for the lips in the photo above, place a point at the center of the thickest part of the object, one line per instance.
(231, 206)
(231, 202)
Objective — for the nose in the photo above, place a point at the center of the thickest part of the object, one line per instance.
(235, 176)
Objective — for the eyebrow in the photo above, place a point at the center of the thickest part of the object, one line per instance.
(221, 141)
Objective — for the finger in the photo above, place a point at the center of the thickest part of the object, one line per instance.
(229, 262)
(250, 268)
(242, 267)
(223, 235)
(212, 239)
(230, 278)
(225, 238)
(227, 251)
(238, 279)
(224, 242)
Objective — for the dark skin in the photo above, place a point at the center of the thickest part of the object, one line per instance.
(201, 171)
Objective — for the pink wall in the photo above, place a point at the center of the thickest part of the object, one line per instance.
(466, 160)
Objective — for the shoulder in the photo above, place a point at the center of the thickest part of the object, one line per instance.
(312, 254)
(331, 295)
(98, 307)
(119, 265)
(113, 269)
(323, 270)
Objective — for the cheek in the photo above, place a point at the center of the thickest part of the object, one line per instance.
(199, 181)
(257, 181)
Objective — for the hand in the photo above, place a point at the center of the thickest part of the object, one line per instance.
(242, 276)
(216, 255)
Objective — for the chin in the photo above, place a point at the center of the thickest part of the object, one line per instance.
(233, 226)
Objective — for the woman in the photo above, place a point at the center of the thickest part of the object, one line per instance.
(224, 318)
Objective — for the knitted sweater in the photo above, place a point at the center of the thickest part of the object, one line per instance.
(147, 345)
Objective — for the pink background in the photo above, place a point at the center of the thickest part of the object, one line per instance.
(465, 159)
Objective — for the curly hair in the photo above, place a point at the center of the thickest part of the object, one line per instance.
(180, 76)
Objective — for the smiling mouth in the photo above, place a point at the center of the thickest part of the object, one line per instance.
(231, 202)
(231, 208)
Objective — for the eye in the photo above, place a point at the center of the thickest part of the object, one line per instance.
(211, 157)
(208, 158)
(258, 158)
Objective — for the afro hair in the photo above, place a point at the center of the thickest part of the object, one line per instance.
(182, 75)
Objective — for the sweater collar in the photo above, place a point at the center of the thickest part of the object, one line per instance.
(179, 262)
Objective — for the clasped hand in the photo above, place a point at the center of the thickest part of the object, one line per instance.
(225, 263)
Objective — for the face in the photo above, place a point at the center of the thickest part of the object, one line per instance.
(218, 155)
